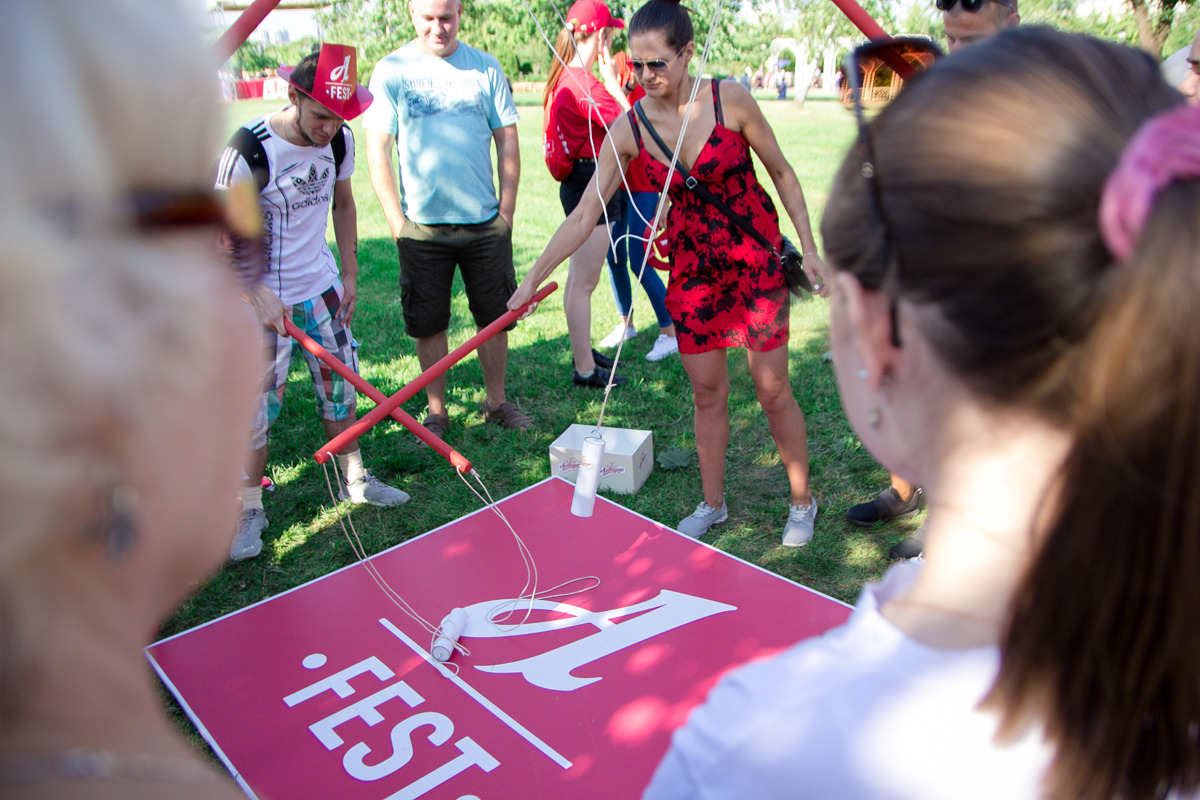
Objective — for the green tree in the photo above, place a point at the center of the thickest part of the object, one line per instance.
(513, 33)
(1154, 19)
(252, 58)
(375, 27)
(256, 57)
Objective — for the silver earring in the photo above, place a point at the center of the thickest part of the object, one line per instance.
(863, 375)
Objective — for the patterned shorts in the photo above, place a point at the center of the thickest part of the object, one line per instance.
(335, 396)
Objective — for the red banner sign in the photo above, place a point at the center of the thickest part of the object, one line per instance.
(329, 690)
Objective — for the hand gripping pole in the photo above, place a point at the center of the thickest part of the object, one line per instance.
(386, 406)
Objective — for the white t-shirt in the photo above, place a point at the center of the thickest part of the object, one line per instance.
(295, 207)
(863, 711)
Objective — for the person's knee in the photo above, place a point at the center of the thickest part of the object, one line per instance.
(775, 397)
(709, 396)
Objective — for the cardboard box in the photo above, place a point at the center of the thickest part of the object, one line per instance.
(628, 456)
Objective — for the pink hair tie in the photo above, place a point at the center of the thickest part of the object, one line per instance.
(1165, 149)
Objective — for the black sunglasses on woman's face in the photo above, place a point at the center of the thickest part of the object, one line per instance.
(653, 64)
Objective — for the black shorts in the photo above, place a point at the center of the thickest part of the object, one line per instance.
(428, 256)
(570, 192)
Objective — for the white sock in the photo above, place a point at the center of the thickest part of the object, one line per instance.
(351, 465)
(251, 497)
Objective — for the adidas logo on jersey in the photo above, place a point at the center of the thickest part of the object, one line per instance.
(314, 184)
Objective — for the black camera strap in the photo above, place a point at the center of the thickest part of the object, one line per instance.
(695, 185)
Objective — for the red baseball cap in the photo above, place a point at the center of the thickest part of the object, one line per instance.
(336, 83)
(586, 16)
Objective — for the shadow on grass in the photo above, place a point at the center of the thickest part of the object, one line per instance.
(306, 540)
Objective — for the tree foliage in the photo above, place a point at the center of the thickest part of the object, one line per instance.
(1154, 19)
(256, 57)
(375, 27)
(520, 33)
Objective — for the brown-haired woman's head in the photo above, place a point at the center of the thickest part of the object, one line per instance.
(989, 170)
(668, 18)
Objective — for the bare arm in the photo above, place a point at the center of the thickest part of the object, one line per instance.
(577, 227)
(383, 178)
(748, 117)
(508, 165)
(345, 232)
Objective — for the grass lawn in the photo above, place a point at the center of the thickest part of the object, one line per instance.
(304, 541)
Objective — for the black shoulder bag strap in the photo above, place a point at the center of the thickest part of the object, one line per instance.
(246, 142)
(696, 187)
(791, 261)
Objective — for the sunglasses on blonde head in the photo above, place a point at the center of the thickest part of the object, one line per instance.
(877, 72)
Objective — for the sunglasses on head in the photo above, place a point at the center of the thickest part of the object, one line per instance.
(653, 64)
(876, 72)
(970, 5)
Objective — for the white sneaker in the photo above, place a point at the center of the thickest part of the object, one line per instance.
(703, 518)
(247, 542)
(802, 522)
(614, 338)
(663, 346)
(372, 490)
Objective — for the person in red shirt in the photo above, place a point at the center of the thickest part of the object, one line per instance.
(630, 239)
(578, 108)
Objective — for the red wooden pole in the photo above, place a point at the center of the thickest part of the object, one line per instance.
(861, 19)
(358, 382)
(385, 408)
(873, 31)
(242, 27)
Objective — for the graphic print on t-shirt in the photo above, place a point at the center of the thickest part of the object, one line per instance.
(425, 97)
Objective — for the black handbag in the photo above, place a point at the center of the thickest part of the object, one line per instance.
(791, 260)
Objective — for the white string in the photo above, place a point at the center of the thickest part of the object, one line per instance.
(701, 64)
(663, 196)
(360, 553)
(529, 592)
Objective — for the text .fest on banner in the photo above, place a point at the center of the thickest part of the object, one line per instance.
(328, 691)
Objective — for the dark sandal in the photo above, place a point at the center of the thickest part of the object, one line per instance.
(508, 415)
(437, 424)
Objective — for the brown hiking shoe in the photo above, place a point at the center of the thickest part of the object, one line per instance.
(437, 424)
(509, 416)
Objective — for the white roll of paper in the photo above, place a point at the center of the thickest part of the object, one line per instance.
(451, 628)
(588, 478)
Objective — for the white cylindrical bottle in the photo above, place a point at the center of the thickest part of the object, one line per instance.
(590, 457)
(451, 628)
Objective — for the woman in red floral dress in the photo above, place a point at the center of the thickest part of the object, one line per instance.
(725, 289)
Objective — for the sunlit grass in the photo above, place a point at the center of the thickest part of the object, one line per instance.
(305, 541)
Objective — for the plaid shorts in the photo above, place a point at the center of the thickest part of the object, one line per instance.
(336, 398)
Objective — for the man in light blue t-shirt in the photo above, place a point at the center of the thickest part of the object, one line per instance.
(439, 104)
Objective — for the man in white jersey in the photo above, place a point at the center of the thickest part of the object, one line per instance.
(301, 158)
(440, 104)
